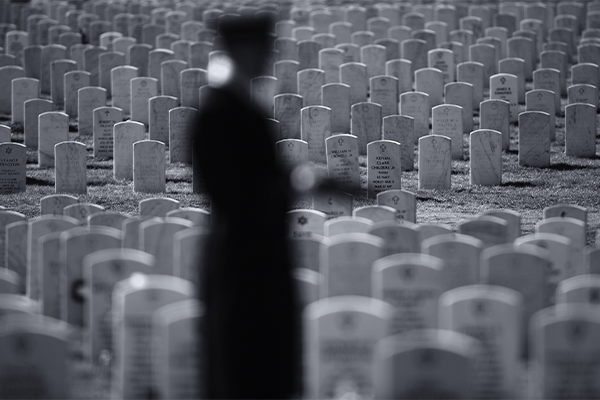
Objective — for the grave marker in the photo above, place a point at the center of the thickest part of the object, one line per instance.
(542, 100)
(534, 139)
(53, 128)
(315, 129)
(505, 87)
(485, 165)
(342, 160)
(434, 162)
(447, 120)
(383, 166)
(142, 90)
(366, 124)
(73, 81)
(70, 165)
(416, 105)
(149, 166)
(120, 78)
(104, 120)
(23, 89)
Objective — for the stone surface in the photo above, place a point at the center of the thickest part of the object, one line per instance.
(534, 139)
(142, 90)
(70, 164)
(13, 168)
(105, 119)
(366, 124)
(505, 87)
(416, 105)
(32, 109)
(342, 160)
(447, 120)
(53, 128)
(485, 165)
(580, 130)
(180, 142)
(400, 128)
(125, 135)
(149, 166)
(383, 166)
(434, 162)
(89, 98)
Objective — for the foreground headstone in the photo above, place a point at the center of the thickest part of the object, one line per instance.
(102, 270)
(149, 166)
(135, 300)
(104, 120)
(580, 130)
(434, 162)
(53, 129)
(342, 160)
(333, 203)
(534, 139)
(125, 135)
(70, 166)
(13, 168)
(343, 332)
(490, 314)
(156, 238)
(291, 153)
(383, 166)
(485, 149)
(425, 363)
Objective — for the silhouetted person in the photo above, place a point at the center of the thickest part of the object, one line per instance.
(251, 330)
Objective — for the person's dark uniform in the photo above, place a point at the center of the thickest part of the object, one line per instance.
(251, 330)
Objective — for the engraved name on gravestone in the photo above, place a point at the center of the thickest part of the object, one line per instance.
(292, 153)
(342, 160)
(12, 167)
(485, 149)
(149, 166)
(383, 166)
(416, 105)
(434, 162)
(71, 173)
(534, 139)
(315, 129)
(104, 120)
(447, 121)
(505, 87)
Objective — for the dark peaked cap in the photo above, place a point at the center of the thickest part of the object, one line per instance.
(238, 30)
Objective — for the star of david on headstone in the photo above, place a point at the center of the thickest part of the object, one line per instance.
(21, 345)
(395, 199)
(302, 220)
(291, 146)
(144, 84)
(503, 80)
(315, 112)
(480, 309)
(8, 150)
(340, 141)
(383, 147)
(581, 90)
(576, 331)
(347, 321)
(427, 357)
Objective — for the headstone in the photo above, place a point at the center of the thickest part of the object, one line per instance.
(7, 218)
(149, 166)
(292, 153)
(434, 162)
(102, 270)
(472, 72)
(16, 251)
(415, 51)
(159, 108)
(23, 89)
(89, 99)
(492, 231)
(32, 109)
(342, 160)
(366, 124)
(125, 135)
(180, 143)
(490, 314)
(354, 74)
(542, 100)
(191, 80)
(412, 284)
(55, 203)
(583, 93)
(516, 67)
(286, 73)
(461, 94)
(73, 81)
(404, 202)
(345, 225)
(416, 105)
(104, 120)
(81, 211)
(70, 164)
(50, 53)
(383, 166)
(534, 139)
(485, 149)
(505, 87)
(120, 78)
(155, 59)
(398, 239)
(315, 129)
(384, 91)
(486, 55)
(156, 238)
(447, 120)
(400, 128)
(305, 223)
(92, 65)
(142, 90)
(580, 130)
(310, 82)
(494, 115)
(401, 70)
(7, 74)
(354, 324)
(53, 128)
(333, 203)
(430, 81)
(549, 79)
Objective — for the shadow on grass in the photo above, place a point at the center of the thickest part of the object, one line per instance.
(99, 166)
(569, 167)
(512, 151)
(40, 182)
(179, 180)
(421, 198)
(519, 184)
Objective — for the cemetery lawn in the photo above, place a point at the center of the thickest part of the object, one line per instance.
(525, 190)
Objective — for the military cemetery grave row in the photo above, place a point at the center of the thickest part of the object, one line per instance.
(373, 95)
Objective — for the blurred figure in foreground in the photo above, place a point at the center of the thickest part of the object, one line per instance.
(251, 333)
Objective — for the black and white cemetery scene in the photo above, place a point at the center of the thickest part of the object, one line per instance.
(299, 199)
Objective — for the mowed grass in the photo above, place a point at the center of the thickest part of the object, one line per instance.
(525, 190)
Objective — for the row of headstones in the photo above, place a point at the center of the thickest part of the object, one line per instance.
(402, 279)
(156, 319)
